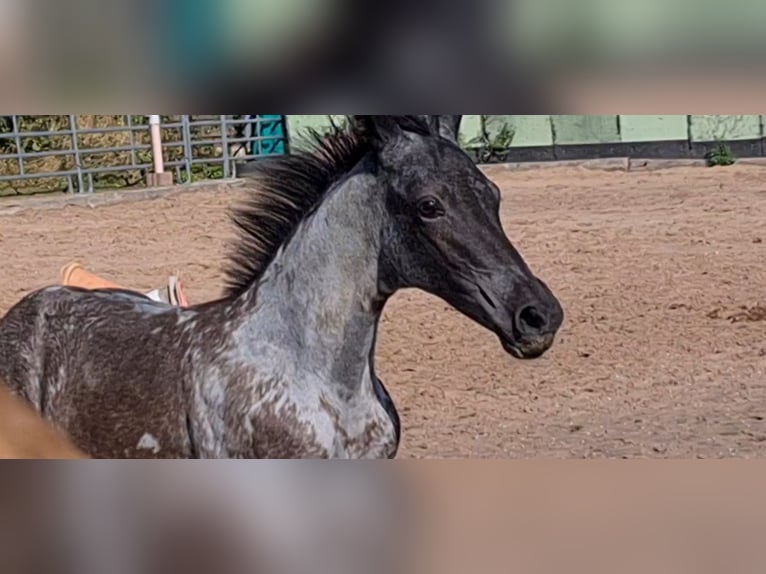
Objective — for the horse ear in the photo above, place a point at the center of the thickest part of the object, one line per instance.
(449, 127)
(446, 126)
(383, 130)
(433, 123)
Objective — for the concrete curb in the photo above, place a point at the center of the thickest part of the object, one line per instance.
(618, 164)
(11, 206)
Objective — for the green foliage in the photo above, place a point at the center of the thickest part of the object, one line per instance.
(202, 172)
(721, 155)
(490, 146)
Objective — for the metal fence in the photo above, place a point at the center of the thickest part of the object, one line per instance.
(81, 153)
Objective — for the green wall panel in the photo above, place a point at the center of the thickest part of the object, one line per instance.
(470, 128)
(528, 130)
(571, 129)
(298, 124)
(731, 127)
(645, 128)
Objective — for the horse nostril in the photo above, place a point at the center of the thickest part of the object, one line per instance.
(531, 320)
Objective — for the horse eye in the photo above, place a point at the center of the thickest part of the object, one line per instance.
(430, 208)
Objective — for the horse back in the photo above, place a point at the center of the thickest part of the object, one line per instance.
(105, 366)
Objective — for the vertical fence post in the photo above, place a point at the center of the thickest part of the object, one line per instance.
(257, 144)
(159, 178)
(76, 150)
(225, 147)
(132, 135)
(156, 135)
(19, 148)
(187, 143)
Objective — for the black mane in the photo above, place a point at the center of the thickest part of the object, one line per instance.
(287, 188)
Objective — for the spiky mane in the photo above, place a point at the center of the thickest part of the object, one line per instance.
(285, 189)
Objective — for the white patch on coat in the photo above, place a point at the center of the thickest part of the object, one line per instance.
(148, 442)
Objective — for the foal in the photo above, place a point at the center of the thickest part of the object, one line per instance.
(283, 366)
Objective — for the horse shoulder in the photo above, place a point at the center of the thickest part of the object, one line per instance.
(260, 415)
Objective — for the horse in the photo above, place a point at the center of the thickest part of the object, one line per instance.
(24, 435)
(283, 364)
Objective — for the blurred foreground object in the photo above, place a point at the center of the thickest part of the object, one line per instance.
(24, 435)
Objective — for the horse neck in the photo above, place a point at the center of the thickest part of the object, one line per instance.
(319, 299)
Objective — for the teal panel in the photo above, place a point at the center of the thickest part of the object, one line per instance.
(728, 127)
(644, 128)
(271, 130)
(527, 130)
(571, 129)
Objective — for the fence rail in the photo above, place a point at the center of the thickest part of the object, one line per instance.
(82, 153)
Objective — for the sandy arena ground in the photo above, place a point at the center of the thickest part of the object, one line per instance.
(662, 276)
